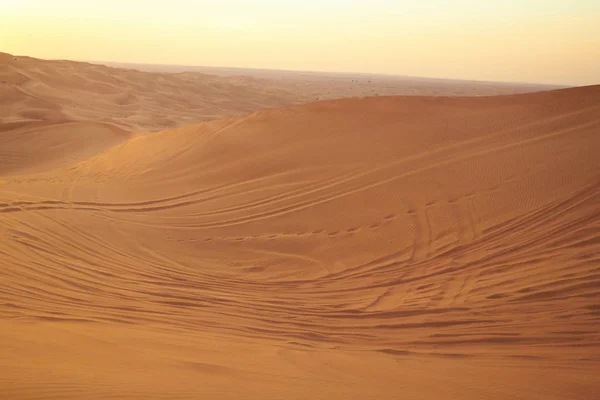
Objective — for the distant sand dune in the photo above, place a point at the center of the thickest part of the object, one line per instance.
(34, 89)
(390, 247)
(48, 90)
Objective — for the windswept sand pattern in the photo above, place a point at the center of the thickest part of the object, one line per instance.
(57, 91)
(392, 247)
(138, 101)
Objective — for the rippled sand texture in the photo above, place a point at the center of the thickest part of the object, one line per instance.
(389, 248)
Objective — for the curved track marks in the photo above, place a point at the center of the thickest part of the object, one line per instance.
(343, 237)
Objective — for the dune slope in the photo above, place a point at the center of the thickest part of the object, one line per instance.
(392, 247)
(40, 146)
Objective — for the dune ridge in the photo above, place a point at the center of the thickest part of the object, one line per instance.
(328, 86)
(58, 90)
(142, 99)
(384, 247)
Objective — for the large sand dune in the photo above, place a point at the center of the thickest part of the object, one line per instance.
(389, 248)
(165, 97)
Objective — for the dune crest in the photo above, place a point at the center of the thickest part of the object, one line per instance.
(141, 98)
(52, 90)
(390, 247)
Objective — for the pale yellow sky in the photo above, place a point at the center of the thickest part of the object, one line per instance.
(529, 40)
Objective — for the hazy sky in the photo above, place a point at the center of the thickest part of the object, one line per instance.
(549, 41)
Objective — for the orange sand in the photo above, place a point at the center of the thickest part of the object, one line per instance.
(374, 248)
(33, 89)
(48, 90)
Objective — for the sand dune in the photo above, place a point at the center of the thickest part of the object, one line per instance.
(389, 247)
(161, 98)
(48, 90)
(336, 85)
(33, 147)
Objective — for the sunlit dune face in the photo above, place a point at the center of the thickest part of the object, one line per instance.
(177, 232)
(381, 247)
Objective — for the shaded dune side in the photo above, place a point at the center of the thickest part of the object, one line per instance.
(393, 227)
(28, 147)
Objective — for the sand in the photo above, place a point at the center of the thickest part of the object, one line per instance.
(153, 98)
(365, 248)
(335, 85)
(51, 90)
